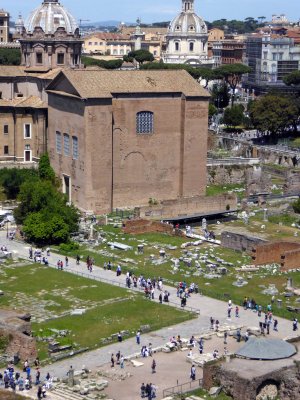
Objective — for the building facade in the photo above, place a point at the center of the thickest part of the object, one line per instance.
(271, 58)
(112, 131)
(228, 51)
(4, 27)
(50, 38)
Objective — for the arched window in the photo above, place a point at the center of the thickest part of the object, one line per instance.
(145, 122)
(66, 144)
(176, 46)
(191, 46)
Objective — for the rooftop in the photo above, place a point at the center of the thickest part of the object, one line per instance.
(102, 84)
(27, 102)
(266, 349)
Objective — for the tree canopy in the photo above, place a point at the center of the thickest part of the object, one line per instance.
(232, 75)
(140, 56)
(273, 114)
(110, 64)
(234, 116)
(293, 79)
(10, 56)
(43, 210)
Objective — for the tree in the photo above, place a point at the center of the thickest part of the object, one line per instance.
(10, 56)
(110, 64)
(140, 56)
(212, 110)
(273, 114)
(220, 95)
(46, 172)
(232, 75)
(293, 79)
(234, 116)
(296, 206)
(12, 179)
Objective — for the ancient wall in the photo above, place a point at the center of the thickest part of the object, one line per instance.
(139, 226)
(246, 387)
(20, 344)
(239, 242)
(274, 252)
(227, 174)
(188, 206)
(290, 260)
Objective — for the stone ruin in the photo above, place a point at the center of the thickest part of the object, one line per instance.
(15, 333)
(257, 181)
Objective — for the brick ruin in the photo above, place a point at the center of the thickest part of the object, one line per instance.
(141, 226)
(247, 379)
(15, 333)
(239, 241)
(287, 254)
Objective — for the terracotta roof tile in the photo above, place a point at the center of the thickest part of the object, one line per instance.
(30, 102)
(99, 84)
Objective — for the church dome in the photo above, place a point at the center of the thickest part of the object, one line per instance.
(50, 16)
(187, 22)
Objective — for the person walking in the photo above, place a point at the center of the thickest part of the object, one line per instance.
(122, 362)
(66, 262)
(225, 337)
(275, 325)
(193, 373)
(112, 361)
(237, 312)
(153, 366)
(138, 338)
(295, 324)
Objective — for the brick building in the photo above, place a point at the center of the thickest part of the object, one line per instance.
(112, 131)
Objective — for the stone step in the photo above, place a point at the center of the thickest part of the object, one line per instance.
(67, 394)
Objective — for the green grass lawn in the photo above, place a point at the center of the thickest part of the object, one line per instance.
(53, 294)
(203, 393)
(214, 190)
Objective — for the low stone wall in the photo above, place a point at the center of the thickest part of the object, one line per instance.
(287, 254)
(141, 226)
(227, 174)
(182, 207)
(240, 242)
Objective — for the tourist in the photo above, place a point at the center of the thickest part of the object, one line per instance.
(37, 377)
(217, 326)
(160, 298)
(120, 338)
(119, 270)
(237, 312)
(275, 325)
(238, 335)
(225, 337)
(153, 366)
(193, 373)
(37, 362)
(215, 354)
(122, 362)
(39, 393)
(212, 322)
(138, 338)
(77, 259)
(112, 361)
(44, 391)
(118, 355)
(295, 324)
(66, 261)
(143, 391)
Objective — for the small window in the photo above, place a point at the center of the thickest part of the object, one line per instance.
(75, 147)
(191, 46)
(66, 144)
(39, 58)
(5, 129)
(145, 122)
(176, 46)
(27, 131)
(6, 150)
(58, 142)
(60, 58)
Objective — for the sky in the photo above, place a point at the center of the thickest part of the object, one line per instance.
(162, 10)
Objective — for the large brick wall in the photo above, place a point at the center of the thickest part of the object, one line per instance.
(287, 254)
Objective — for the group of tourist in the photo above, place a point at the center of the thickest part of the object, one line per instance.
(148, 391)
(22, 382)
